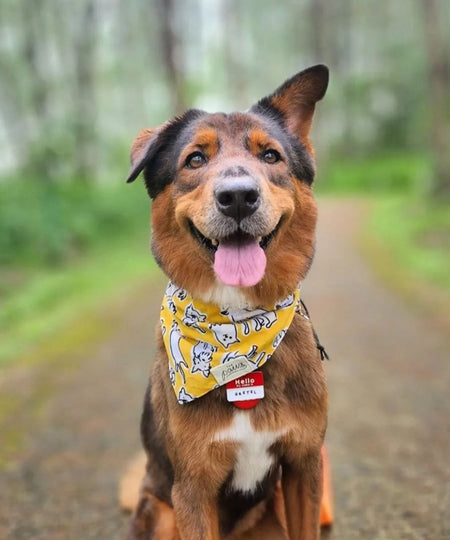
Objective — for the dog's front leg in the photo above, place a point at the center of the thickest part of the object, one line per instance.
(195, 511)
(302, 491)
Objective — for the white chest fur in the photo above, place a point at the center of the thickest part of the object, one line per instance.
(253, 459)
(226, 296)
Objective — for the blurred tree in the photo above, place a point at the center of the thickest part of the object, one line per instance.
(170, 52)
(85, 96)
(318, 29)
(438, 78)
(33, 54)
(234, 63)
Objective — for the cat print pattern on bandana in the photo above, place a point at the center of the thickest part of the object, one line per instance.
(208, 346)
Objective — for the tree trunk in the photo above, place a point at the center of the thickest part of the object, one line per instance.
(438, 78)
(85, 164)
(170, 53)
(39, 161)
(236, 76)
(318, 30)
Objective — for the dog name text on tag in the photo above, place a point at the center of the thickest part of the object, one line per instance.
(246, 391)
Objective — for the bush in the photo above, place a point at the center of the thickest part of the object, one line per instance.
(400, 173)
(46, 224)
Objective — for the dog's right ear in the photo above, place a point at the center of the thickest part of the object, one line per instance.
(141, 151)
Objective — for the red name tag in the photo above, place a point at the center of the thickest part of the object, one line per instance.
(246, 391)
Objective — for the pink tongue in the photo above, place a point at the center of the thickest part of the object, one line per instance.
(240, 265)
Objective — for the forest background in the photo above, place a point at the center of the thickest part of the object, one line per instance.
(79, 79)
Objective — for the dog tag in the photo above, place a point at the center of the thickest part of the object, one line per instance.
(246, 391)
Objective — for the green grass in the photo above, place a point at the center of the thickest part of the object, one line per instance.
(398, 173)
(407, 241)
(50, 224)
(51, 299)
(416, 233)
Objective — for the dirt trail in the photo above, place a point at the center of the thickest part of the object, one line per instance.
(388, 436)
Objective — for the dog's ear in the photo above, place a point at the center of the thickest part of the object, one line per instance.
(295, 101)
(149, 147)
(140, 144)
(141, 151)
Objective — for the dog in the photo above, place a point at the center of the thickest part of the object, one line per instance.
(233, 227)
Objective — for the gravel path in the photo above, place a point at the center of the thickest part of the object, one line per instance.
(389, 431)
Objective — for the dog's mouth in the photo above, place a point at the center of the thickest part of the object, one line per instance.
(239, 259)
(237, 238)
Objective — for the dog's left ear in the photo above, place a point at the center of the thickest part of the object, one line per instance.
(295, 101)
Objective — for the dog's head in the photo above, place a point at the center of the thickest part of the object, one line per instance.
(232, 200)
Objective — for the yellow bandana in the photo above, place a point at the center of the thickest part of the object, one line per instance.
(207, 346)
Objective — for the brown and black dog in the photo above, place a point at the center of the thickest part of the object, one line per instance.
(233, 224)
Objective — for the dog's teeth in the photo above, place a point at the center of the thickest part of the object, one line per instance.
(214, 242)
(259, 239)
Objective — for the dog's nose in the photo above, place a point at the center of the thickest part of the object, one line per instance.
(237, 198)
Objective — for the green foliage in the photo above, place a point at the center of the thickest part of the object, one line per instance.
(63, 249)
(415, 233)
(53, 223)
(52, 300)
(399, 173)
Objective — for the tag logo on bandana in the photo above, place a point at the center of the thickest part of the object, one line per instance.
(208, 347)
(232, 369)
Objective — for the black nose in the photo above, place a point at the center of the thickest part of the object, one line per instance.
(237, 198)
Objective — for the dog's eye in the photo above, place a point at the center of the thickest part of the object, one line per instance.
(271, 156)
(195, 160)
